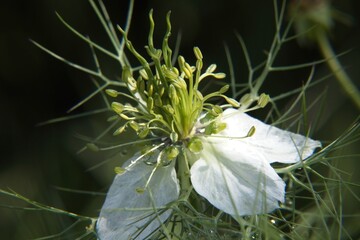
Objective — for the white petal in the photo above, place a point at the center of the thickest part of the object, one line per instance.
(236, 181)
(120, 217)
(275, 144)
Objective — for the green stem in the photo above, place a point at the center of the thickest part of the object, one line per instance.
(336, 67)
(184, 175)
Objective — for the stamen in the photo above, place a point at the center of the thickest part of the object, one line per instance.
(151, 150)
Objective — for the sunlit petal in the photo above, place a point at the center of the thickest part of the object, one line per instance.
(236, 182)
(275, 144)
(234, 172)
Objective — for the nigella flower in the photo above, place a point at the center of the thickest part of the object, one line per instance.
(232, 172)
(218, 150)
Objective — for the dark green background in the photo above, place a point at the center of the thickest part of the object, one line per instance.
(34, 88)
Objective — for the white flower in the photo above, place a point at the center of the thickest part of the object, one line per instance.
(232, 172)
(235, 175)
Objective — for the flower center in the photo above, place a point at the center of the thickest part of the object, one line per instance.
(168, 102)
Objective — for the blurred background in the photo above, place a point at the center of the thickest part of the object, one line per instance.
(40, 162)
